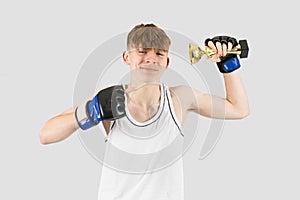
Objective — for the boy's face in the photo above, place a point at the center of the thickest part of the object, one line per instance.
(137, 57)
(147, 63)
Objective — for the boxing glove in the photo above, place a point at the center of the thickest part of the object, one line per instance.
(230, 62)
(108, 104)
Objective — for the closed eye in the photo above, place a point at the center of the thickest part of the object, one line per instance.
(142, 52)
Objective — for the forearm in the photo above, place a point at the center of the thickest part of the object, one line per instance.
(58, 128)
(237, 100)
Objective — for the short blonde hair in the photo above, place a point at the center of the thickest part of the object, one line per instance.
(148, 36)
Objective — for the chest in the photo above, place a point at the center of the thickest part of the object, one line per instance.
(143, 114)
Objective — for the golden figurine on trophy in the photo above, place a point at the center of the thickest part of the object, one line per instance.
(196, 52)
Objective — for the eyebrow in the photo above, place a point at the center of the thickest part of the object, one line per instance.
(147, 49)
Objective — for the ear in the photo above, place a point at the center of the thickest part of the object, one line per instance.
(125, 57)
(168, 61)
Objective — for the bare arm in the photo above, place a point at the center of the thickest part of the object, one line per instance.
(62, 126)
(234, 106)
(59, 127)
(237, 105)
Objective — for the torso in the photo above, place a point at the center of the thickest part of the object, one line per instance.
(151, 148)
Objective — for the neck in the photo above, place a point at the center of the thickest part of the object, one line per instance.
(145, 95)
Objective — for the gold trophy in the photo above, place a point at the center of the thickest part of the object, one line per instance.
(196, 52)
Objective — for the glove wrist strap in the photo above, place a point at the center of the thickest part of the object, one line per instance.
(230, 65)
(84, 115)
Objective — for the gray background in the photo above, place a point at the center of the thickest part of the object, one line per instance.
(43, 45)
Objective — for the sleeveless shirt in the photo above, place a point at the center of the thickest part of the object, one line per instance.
(143, 160)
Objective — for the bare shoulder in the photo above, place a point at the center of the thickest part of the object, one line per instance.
(186, 96)
(180, 88)
(182, 92)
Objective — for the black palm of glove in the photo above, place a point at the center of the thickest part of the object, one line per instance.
(111, 101)
(229, 62)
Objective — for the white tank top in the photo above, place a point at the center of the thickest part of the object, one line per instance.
(143, 160)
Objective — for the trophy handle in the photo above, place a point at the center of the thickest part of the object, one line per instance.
(244, 48)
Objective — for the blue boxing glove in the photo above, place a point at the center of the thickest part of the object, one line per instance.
(230, 62)
(108, 104)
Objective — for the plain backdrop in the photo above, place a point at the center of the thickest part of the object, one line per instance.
(43, 45)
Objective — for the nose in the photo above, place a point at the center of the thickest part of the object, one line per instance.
(151, 57)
